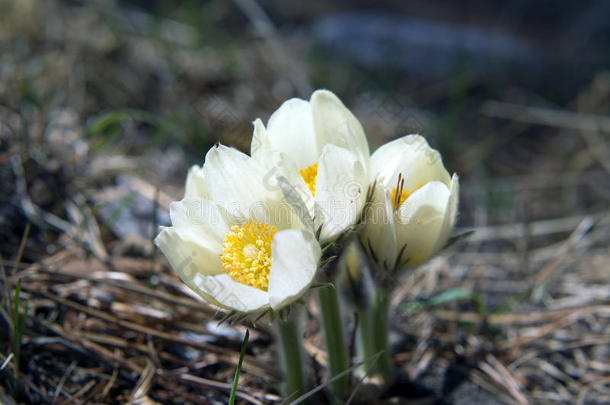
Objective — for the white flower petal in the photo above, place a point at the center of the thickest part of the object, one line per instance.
(235, 181)
(291, 131)
(230, 294)
(186, 256)
(276, 212)
(260, 141)
(335, 124)
(450, 214)
(378, 234)
(195, 183)
(340, 190)
(384, 161)
(418, 222)
(200, 220)
(294, 198)
(280, 166)
(412, 157)
(295, 261)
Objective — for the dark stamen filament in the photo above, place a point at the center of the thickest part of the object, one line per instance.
(400, 185)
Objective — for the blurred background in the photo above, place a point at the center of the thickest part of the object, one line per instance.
(104, 105)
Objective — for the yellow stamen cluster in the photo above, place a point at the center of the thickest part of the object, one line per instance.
(310, 175)
(246, 253)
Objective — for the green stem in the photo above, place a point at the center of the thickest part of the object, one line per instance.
(335, 344)
(380, 329)
(365, 337)
(292, 359)
(373, 328)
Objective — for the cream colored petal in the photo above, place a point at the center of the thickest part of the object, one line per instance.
(340, 190)
(201, 271)
(235, 181)
(335, 124)
(201, 221)
(260, 141)
(230, 294)
(187, 257)
(291, 131)
(418, 223)
(295, 261)
(278, 165)
(378, 235)
(385, 159)
(195, 184)
(276, 212)
(412, 157)
(282, 183)
(450, 214)
(294, 198)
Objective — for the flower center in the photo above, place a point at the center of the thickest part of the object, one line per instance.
(399, 194)
(310, 175)
(246, 253)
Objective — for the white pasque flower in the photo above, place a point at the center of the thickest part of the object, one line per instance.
(322, 153)
(414, 205)
(236, 243)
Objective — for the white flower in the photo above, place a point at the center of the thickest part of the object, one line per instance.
(323, 156)
(414, 206)
(234, 241)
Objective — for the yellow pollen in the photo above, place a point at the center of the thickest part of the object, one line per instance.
(246, 253)
(399, 194)
(250, 251)
(310, 175)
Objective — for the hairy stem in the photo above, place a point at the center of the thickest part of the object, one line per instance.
(373, 331)
(292, 358)
(335, 343)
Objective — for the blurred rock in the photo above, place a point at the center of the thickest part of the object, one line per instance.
(534, 44)
(65, 136)
(223, 330)
(127, 211)
(421, 47)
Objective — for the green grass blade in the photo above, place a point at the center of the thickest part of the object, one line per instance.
(372, 360)
(153, 234)
(18, 326)
(16, 321)
(450, 295)
(116, 212)
(241, 360)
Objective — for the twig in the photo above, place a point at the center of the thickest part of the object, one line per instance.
(537, 228)
(547, 270)
(250, 361)
(145, 381)
(541, 331)
(490, 385)
(62, 381)
(110, 357)
(111, 381)
(81, 392)
(7, 360)
(160, 295)
(224, 387)
(495, 369)
(522, 319)
(293, 71)
(545, 116)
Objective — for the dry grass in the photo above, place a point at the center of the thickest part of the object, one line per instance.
(106, 320)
